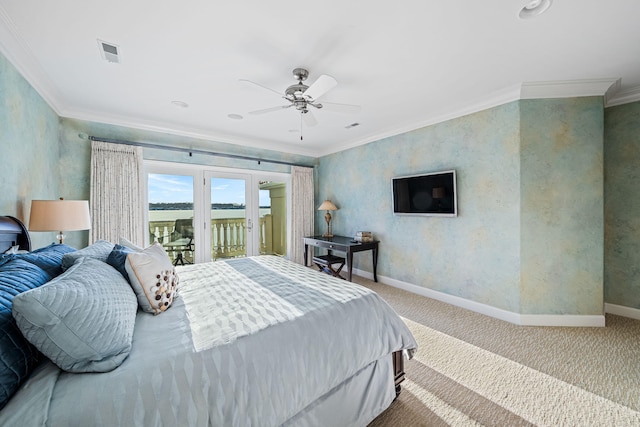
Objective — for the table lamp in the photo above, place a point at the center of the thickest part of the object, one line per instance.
(59, 215)
(328, 205)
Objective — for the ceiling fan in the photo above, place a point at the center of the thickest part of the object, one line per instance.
(302, 96)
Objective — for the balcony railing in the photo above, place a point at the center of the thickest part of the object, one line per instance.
(228, 238)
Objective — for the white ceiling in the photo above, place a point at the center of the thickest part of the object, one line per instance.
(408, 63)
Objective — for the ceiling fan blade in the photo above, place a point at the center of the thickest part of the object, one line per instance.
(270, 110)
(341, 108)
(259, 85)
(309, 119)
(321, 86)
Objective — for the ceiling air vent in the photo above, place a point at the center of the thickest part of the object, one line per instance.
(109, 51)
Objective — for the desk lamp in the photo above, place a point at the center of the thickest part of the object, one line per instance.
(328, 205)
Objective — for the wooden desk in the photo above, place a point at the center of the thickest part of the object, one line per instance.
(343, 244)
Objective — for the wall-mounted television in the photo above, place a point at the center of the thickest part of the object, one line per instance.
(432, 194)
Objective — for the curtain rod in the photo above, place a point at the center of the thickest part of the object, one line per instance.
(189, 150)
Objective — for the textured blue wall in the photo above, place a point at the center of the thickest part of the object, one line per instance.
(562, 217)
(473, 256)
(622, 205)
(28, 149)
(529, 234)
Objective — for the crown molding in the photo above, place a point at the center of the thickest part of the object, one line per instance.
(191, 133)
(623, 97)
(528, 90)
(567, 88)
(19, 54)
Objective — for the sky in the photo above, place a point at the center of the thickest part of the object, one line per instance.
(179, 188)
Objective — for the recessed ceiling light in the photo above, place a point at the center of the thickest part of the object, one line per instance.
(235, 116)
(294, 130)
(352, 125)
(534, 8)
(180, 104)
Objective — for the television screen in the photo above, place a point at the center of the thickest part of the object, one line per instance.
(425, 194)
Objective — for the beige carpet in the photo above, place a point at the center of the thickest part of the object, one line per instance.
(472, 369)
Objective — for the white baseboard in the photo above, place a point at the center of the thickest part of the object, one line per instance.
(573, 320)
(488, 310)
(620, 310)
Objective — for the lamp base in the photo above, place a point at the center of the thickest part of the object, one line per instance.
(329, 232)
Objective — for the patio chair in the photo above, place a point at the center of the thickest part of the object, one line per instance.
(181, 241)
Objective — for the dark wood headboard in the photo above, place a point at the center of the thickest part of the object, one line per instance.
(13, 232)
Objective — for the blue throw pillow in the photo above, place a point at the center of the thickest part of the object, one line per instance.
(48, 258)
(100, 250)
(82, 320)
(19, 357)
(117, 258)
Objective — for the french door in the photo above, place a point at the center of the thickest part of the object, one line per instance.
(229, 220)
(171, 199)
(202, 214)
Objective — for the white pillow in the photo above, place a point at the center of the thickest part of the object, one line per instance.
(12, 250)
(129, 244)
(15, 250)
(153, 278)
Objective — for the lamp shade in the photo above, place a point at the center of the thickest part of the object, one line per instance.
(327, 205)
(59, 215)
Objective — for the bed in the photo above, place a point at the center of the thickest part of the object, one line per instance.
(257, 341)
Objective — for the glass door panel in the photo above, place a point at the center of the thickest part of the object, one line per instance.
(230, 226)
(272, 224)
(170, 214)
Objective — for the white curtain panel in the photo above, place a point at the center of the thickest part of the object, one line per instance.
(302, 212)
(116, 200)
